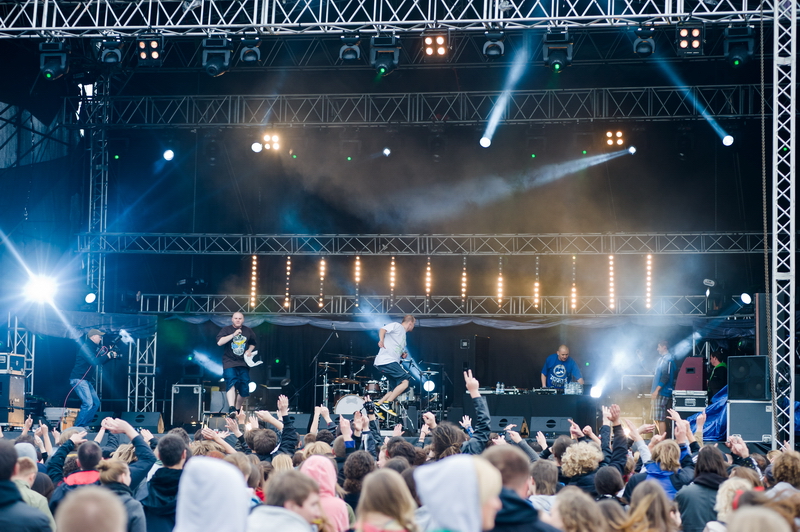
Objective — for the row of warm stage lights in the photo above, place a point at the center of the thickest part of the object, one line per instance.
(357, 275)
(384, 50)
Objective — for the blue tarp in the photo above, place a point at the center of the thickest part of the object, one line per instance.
(716, 426)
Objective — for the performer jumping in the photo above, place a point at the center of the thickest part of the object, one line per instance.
(239, 342)
(91, 354)
(393, 349)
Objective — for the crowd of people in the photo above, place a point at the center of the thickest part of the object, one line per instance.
(261, 475)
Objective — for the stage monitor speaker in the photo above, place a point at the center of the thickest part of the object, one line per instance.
(145, 420)
(499, 423)
(98, 418)
(301, 422)
(411, 421)
(690, 375)
(219, 403)
(472, 353)
(187, 404)
(214, 422)
(454, 415)
(12, 399)
(549, 425)
(748, 379)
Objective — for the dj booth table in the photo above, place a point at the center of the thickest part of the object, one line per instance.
(546, 412)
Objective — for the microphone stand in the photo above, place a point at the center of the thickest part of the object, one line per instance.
(316, 367)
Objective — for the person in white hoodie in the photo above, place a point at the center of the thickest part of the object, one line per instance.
(462, 493)
(292, 504)
(212, 495)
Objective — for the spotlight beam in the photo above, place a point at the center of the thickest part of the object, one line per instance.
(517, 68)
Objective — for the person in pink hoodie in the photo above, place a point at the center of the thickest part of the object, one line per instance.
(321, 469)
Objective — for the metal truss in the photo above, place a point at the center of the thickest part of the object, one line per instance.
(97, 18)
(782, 300)
(520, 244)
(455, 108)
(22, 342)
(426, 306)
(142, 375)
(25, 140)
(96, 107)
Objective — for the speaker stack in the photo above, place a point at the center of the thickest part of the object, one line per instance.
(749, 399)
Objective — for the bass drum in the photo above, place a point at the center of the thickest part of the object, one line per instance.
(348, 405)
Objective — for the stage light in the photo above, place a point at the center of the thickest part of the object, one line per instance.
(252, 387)
(500, 282)
(150, 50)
(429, 386)
(168, 155)
(250, 52)
(357, 276)
(727, 140)
(632, 150)
(536, 293)
(574, 292)
(746, 298)
(648, 298)
(738, 45)
(256, 147)
(286, 300)
(53, 59)
(387, 152)
(276, 146)
(557, 49)
(384, 53)
(350, 50)
(596, 392)
(110, 51)
(464, 283)
(253, 280)
(690, 39)
(41, 289)
(428, 279)
(644, 45)
(321, 283)
(494, 47)
(392, 277)
(611, 285)
(216, 56)
(485, 142)
(435, 46)
(90, 298)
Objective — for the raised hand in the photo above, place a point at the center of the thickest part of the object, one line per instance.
(701, 419)
(541, 440)
(283, 405)
(514, 435)
(466, 422)
(398, 430)
(575, 431)
(233, 426)
(472, 383)
(78, 437)
(429, 419)
(613, 414)
(344, 426)
(147, 435)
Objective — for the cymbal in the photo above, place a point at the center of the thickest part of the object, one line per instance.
(328, 368)
(341, 380)
(343, 357)
(430, 372)
(360, 377)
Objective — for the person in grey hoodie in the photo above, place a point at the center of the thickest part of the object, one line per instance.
(292, 505)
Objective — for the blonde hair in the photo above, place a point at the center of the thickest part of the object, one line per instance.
(580, 458)
(650, 509)
(111, 470)
(579, 513)
(317, 447)
(668, 455)
(385, 492)
(490, 482)
(205, 447)
(125, 452)
(26, 466)
(282, 462)
(725, 494)
(66, 435)
(757, 518)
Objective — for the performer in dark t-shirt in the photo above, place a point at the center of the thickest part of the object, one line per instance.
(238, 342)
(90, 355)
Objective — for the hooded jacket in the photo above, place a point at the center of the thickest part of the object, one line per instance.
(15, 515)
(212, 496)
(276, 519)
(671, 481)
(159, 505)
(518, 515)
(449, 490)
(696, 501)
(136, 519)
(321, 469)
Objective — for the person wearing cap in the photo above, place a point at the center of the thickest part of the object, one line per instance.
(90, 355)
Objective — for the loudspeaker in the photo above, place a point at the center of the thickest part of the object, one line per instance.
(690, 376)
(553, 425)
(752, 420)
(301, 422)
(748, 379)
(411, 421)
(214, 422)
(762, 339)
(12, 399)
(98, 418)
(454, 415)
(474, 355)
(499, 423)
(145, 420)
(187, 404)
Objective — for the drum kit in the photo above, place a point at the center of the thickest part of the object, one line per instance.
(345, 380)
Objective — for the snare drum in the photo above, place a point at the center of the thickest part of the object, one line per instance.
(373, 387)
(348, 405)
(407, 396)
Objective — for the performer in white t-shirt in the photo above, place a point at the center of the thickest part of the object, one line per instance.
(393, 350)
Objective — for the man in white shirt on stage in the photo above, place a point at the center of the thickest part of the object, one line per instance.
(393, 350)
